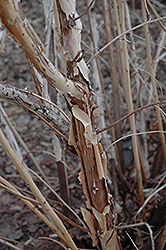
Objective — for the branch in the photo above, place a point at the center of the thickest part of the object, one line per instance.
(23, 100)
(27, 42)
(122, 34)
(129, 114)
(60, 230)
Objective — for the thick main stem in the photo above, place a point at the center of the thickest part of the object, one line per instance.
(93, 180)
(12, 21)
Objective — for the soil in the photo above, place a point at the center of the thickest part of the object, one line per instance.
(17, 222)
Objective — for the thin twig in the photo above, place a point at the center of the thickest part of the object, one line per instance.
(149, 198)
(59, 198)
(62, 232)
(156, 15)
(59, 243)
(54, 129)
(57, 158)
(154, 80)
(128, 115)
(5, 242)
(126, 136)
(141, 224)
(124, 33)
(46, 100)
(19, 242)
(146, 8)
(33, 208)
(20, 140)
(152, 43)
(85, 11)
(19, 195)
(62, 216)
(163, 177)
(132, 241)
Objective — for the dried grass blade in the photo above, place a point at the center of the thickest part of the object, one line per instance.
(36, 191)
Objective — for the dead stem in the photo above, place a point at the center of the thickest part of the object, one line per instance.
(116, 133)
(48, 209)
(128, 115)
(126, 74)
(152, 78)
(122, 34)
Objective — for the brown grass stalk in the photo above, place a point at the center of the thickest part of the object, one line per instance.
(115, 87)
(122, 34)
(5, 242)
(105, 99)
(30, 203)
(156, 15)
(126, 72)
(62, 232)
(121, 62)
(148, 48)
(163, 240)
(141, 126)
(21, 141)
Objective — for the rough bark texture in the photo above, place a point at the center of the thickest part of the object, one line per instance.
(21, 99)
(83, 137)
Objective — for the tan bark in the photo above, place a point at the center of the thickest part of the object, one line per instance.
(28, 43)
(83, 137)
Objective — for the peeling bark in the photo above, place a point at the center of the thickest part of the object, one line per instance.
(16, 27)
(83, 136)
